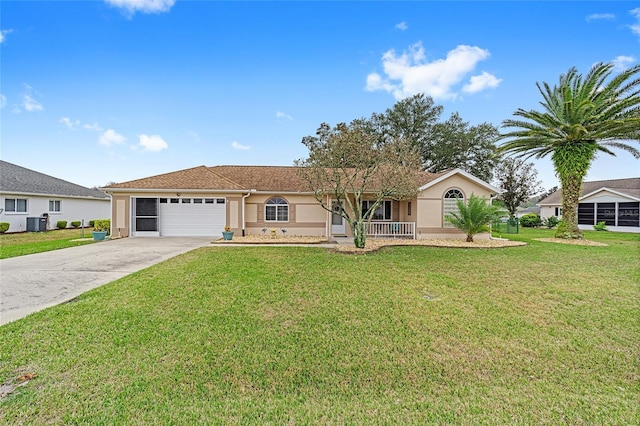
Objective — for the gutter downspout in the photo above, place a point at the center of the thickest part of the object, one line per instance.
(243, 198)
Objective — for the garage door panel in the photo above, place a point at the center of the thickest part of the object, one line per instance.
(191, 219)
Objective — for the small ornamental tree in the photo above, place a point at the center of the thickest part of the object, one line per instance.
(474, 216)
(518, 181)
(347, 165)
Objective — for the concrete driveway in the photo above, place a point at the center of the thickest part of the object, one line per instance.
(37, 281)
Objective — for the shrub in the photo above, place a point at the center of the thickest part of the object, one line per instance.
(61, 224)
(474, 216)
(551, 221)
(4, 227)
(75, 223)
(601, 226)
(92, 223)
(530, 220)
(102, 225)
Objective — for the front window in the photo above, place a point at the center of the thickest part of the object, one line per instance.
(450, 204)
(15, 205)
(55, 206)
(382, 211)
(276, 210)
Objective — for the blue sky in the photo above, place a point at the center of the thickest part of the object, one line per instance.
(100, 91)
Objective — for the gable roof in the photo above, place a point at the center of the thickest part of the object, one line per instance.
(448, 173)
(629, 187)
(239, 178)
(20, 180)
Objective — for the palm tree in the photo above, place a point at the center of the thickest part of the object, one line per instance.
(475, 216)
(581, 118)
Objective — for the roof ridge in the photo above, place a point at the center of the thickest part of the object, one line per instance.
(236, 184)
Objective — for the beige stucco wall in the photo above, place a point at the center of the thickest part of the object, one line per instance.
(430, 209)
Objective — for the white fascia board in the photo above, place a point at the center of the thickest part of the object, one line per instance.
(169, 191)
(35, 194)
(465, 174)
(612, 191)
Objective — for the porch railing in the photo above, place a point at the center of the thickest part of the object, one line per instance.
(391, 230)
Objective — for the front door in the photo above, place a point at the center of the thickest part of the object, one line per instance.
(337, 221)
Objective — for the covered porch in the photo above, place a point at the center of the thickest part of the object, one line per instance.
(379, 229)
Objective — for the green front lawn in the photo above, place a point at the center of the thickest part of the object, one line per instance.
(540, 334)
(19, 244)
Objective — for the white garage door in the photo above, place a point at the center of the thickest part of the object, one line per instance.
(187, 217)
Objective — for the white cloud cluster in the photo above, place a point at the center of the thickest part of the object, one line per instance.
(111, 137)
(280, 114)
(2, 34)
(143, 6)
(153, 143)
(28, 101)
(622, 62)
(635, 27)
(600, 16)
(239, 147)
(402, 26)
(410, 73)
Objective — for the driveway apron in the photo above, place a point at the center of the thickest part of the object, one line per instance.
(37, 281)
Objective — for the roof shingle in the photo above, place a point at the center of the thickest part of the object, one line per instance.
(629, 186)
(17, 179)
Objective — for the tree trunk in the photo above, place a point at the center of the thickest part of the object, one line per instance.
(359, 234)
(469, 238)
(568, 227)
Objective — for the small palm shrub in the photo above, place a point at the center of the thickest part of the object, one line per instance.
(601, 226)
(61, 224)
(551, 221)
(530, 220)
(474, 216)
(4, 227)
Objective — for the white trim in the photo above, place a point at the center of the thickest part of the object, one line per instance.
(43, 195)
(612, 191)
(463, 173)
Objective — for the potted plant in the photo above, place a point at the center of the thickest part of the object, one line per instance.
(227, 234)
(100, 229)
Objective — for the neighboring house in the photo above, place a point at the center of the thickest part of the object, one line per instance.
(26, 194)
(255, 199)
(615, 202)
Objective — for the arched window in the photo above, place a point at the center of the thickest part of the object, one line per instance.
(450, 204)
(276, 210)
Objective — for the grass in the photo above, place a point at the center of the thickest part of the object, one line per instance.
(20, 244)
(540, 334)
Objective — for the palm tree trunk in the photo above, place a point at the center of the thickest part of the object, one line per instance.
(568, 228)
(571, 162)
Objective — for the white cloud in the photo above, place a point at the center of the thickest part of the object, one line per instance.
(152, 143)
(236, 145)
(3, 101)
(635, 28)
(93, 126)
(143, 6)
(2, 34)
(600, 16)
(402, 26)
(30, 104)
(477, 83)
(69, 123)
(194, 136)
(621, 63)
(283, 115)
(410, 73)
(111, 137)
